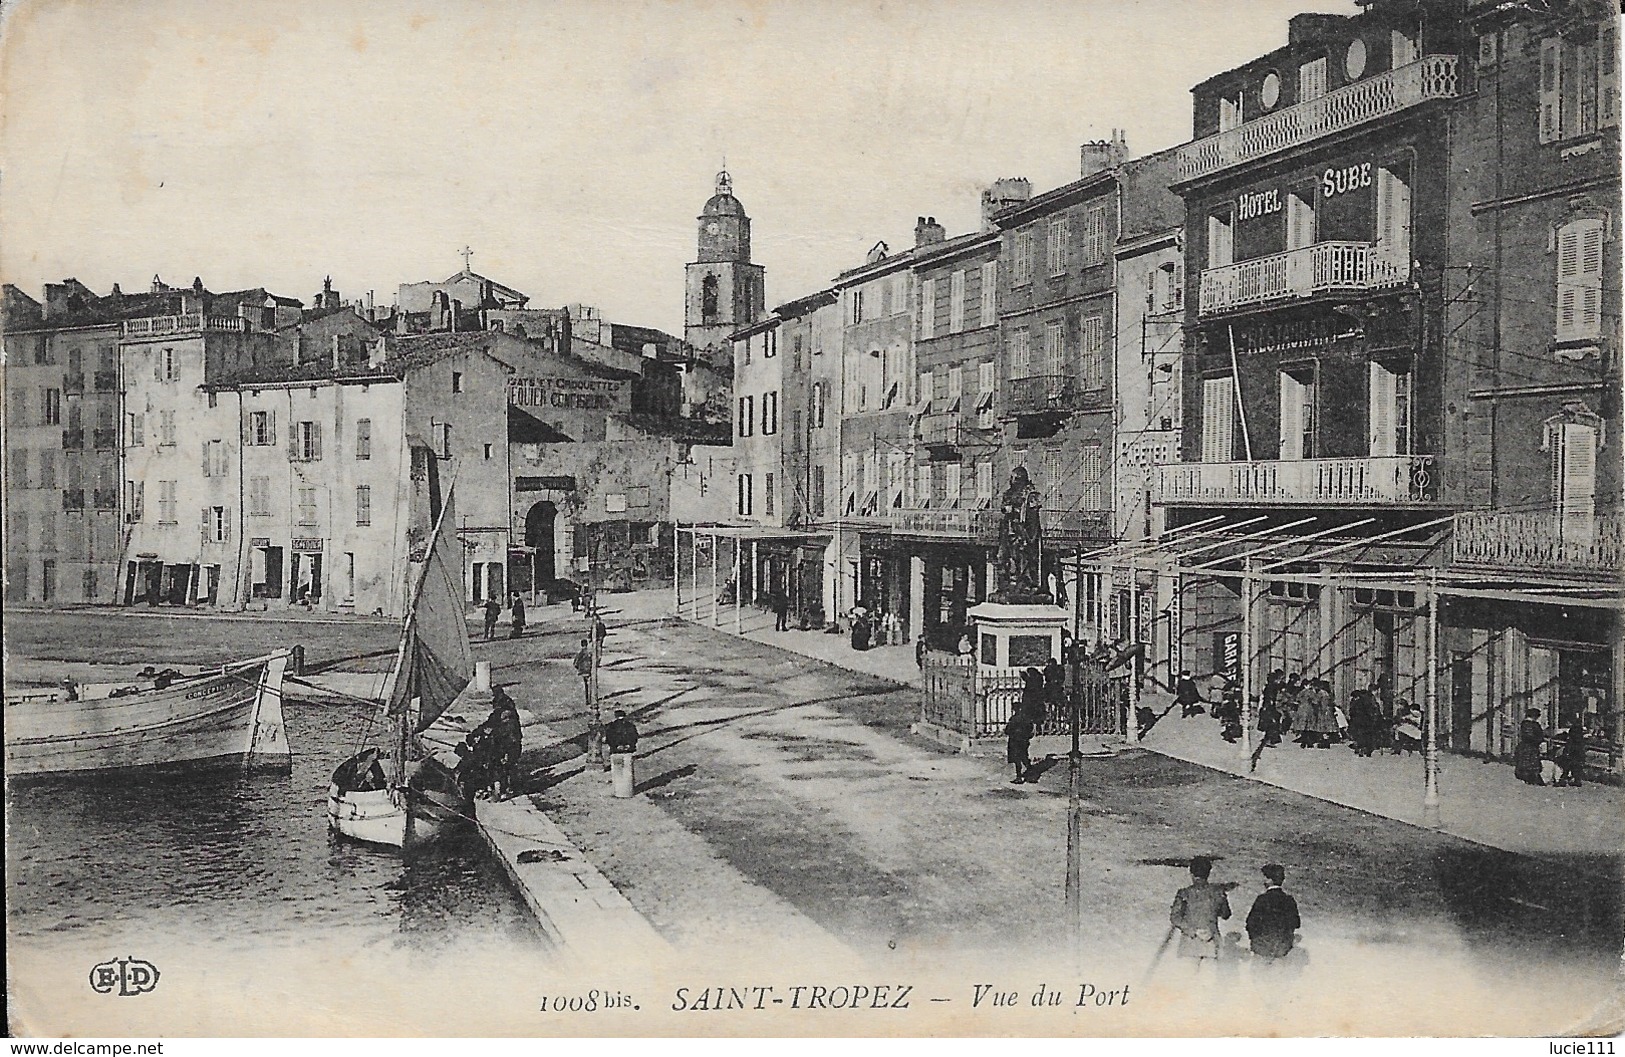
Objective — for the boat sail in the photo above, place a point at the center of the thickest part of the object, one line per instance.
(225, 717)
(419, 797)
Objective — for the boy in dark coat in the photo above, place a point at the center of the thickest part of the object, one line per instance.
(1273, 919)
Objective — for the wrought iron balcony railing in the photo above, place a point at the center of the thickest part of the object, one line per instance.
(1543, 541)
(1431, 77)
(1383, 479)
(972, 520)
(1325, 267)
(1052, 392)
(1074, 525)
(190, 322)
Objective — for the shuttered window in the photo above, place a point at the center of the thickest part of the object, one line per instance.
(1220, 240)
(922, 486)
(956, 303)
(1300, 219)
(1023, 258)
(896, 478)
(1092, 348)
(928, 308)
(990, 293)
(1579, 280)
(984, 480)
(1095, 239)
(1218, 419)
(1021, 353)
(1297, 415)
(1050, 476)
(363, 504)
(1054, 349)
(1574, 479)
(1394, 215)
(1312, 80)
(950, 485)
(1404, 48)
(1059, 232)
(1089, 473)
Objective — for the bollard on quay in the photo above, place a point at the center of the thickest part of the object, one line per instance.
(623, 773)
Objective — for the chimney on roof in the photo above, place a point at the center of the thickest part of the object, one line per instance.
(197, 285)
(928, 232)
(158, 286)
(1312, 28)
(1005, 192)
(116, 292)
(1100, 155)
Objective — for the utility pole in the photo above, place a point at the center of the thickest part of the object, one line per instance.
(1430, 746)
(1074, 819)
(1249, 588)
(595, 720)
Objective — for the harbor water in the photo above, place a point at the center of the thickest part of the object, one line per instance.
(243, 864)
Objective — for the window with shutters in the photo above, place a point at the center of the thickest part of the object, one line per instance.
(1059, 232)
(1021, 353)
(259, 496)
(984, 481)
(924, 497)
(1092, 348)
(1394, 214)
(47, 469)
(166, 365)
(1050, 476)
(52, 407)
(307, 506)
(950, 485)
(743, 487)
(1579, 246)
(1573, 448)
(1218, 419)
(307, 441)
(442, 440)
(956, 387)
(1298, 413)
(218, 524)
(924, 392)
(1221, 244)
(1579, 83)
(1089, 473)
(1054, 349)
(261, 428)
(989, 314)
(747, 415)
(849, 483)
(816, 414)
(768, 499)
(363, 439)
(1095, 237)
(135, 500)
(770, 414)
(135, 429)
(1230, 111)
(956, 302)
(1312, 80)
(1388, 414)
(896, 479)
(1023, 272)
(166, 503)
(166, 427)
(928, 308)
(1300, 218)
(214, 458)
(817, 498)
(363, 504)
(1404, 47)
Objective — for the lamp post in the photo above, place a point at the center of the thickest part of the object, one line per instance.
(1430, 746)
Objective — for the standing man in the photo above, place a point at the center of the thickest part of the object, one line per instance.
(583, 666)
(622, 734)
(1187, 697)
(509, 742)
(493, 609)
(781, 611)
(1196, 912)
(518, 615)
(1272, 921)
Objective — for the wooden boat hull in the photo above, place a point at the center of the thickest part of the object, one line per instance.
(226, 718)
(379, 816)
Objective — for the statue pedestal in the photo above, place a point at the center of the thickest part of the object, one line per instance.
(1016, 636)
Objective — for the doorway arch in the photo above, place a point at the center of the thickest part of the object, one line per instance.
(541, 535)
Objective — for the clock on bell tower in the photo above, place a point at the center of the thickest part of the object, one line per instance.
(725, 290)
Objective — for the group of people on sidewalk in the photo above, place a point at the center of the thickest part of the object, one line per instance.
(516, 613)
(1304, 709)
(1567, 762)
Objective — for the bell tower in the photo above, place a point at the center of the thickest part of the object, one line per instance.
(725, 290)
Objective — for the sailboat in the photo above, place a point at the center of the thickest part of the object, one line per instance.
(415, 798)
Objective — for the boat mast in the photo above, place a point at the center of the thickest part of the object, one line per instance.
(407, 632)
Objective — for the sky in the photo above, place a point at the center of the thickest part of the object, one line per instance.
(570, 144)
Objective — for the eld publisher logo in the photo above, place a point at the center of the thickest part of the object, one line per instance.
(124, 976)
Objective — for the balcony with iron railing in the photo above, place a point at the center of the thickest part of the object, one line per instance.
(1541, 541)
(1324, 268)
(1379, 96)
(187, 323)
(973, 520)
(73, 440)
(1052, 393)
(1376, 479)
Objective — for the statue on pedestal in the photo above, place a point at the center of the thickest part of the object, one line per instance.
(1019, 579)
